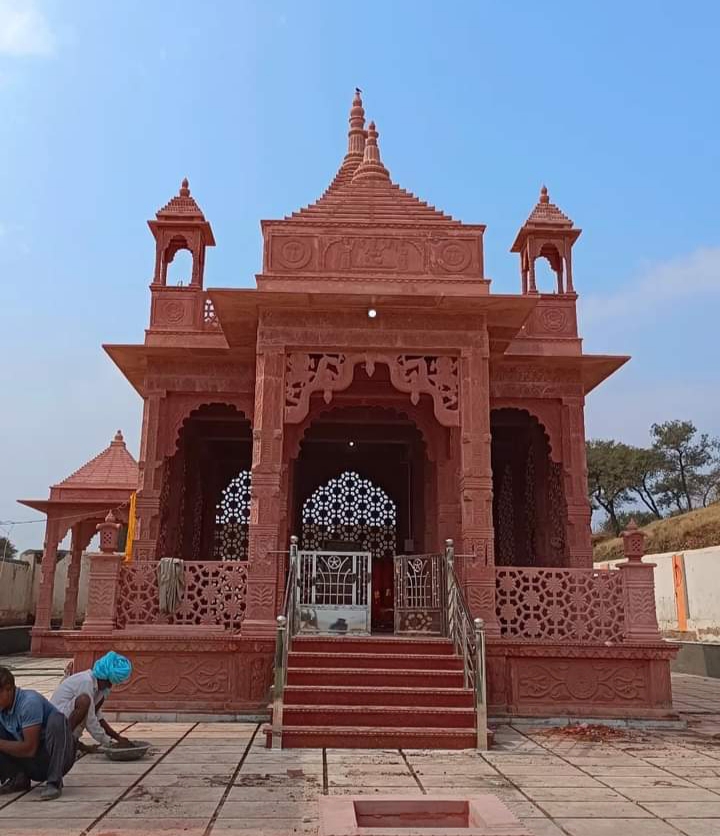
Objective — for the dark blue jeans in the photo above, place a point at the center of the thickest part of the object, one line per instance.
(53, 759)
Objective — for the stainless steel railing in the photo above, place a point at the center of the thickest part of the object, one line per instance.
(468, 637)
(286, 629)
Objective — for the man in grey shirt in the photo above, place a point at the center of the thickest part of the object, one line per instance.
(36, 740)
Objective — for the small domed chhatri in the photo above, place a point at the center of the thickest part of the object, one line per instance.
(356, 444)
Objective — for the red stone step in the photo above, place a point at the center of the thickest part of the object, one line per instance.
(392, 716)
(414, 661)
(342, 737)
(380, 677)
(372, 644)
(362, 695)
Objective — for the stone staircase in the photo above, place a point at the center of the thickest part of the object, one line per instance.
(376, 693)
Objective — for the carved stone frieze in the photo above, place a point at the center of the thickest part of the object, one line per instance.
(421, 253)
(177, 675)
(582, 681)
(518, 380)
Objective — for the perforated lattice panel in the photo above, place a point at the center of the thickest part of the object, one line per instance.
(215, 593)
(352, 510)
(560, 604)
(232, 519)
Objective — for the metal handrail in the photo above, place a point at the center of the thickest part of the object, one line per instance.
(286, 628)
(468, 637)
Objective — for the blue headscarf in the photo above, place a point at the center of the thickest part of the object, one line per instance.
(113, 667)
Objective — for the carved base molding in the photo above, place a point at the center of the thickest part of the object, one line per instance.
(580, 680)
(50, 644)
(196, 671)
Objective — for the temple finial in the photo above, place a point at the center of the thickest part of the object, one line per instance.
(356, 134)
(371, 168)
(185, 188)
(544, 197)
(118, 440)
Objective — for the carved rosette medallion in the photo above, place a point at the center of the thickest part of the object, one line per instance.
(553, 320)
(452, 256)
(294, 253)
(170, 312)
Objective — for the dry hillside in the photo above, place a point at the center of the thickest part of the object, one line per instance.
(694, 530)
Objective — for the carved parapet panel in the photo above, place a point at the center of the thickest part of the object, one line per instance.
(392, 255)
(555, 317)
(436, 376)
(176, 309)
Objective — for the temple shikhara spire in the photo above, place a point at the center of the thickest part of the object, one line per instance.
(356, 134)
(371, 168)
(376, 446)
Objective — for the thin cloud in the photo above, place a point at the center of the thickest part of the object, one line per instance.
(24, 29)
(658, 287)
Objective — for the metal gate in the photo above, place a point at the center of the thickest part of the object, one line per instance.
(420, 594)
(334, 592)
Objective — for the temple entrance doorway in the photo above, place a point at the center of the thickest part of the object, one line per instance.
(359, 488)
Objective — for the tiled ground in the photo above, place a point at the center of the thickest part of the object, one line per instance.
(205, 778)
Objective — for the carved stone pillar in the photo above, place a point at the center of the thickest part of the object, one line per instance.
(80, 539)
(477, 540)
(267, 500)
(43, 611)
(638, 589)
(447, 498)
(104, 579)
(151, 471)
(579, 544)
(102, 592)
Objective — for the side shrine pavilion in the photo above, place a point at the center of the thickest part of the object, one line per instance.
(374, 446)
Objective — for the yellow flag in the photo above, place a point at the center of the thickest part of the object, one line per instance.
(131, 528)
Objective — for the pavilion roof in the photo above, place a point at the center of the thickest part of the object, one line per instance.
(182, 205)
(362, 190)
(114, 468)
(547, 214)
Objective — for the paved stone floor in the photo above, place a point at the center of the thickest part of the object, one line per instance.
(212, 778)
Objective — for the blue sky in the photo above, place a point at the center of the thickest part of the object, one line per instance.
(104, 107)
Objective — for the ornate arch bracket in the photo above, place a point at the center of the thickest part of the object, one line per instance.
(415, 374)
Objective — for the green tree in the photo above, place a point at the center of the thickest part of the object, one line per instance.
(609, 478)
(645, 466)
(685, 460)
(7, 549)
(708, 486)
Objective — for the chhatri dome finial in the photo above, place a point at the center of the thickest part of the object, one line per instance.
(371, 168)
(544, 197)
(356, 134)
(185, 188)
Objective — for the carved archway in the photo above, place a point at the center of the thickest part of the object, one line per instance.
(214, 448)
(529, 508)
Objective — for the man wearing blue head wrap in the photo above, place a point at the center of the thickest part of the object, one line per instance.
(80, 697)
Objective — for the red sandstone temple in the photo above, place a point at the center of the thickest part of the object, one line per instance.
(377, 448)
